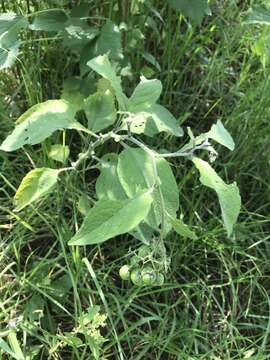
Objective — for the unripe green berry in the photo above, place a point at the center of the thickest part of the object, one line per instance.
(148, 276)
(136, 277)
(159, 279)
(124, 272)
(144, 251)
(134, 261)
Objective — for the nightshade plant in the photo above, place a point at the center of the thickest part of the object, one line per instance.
(136, 191)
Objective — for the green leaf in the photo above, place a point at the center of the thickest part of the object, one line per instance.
(103, 85)
(34, 308)
(59, 152)
(35, 184)
(10, 26)
(194, 9)
(143, 232)
(49, 20)
(12, 23)
(259, 15)
(81, 10)
(77, 34)
(103, 67)
(39, 122)
(108, 185)
(136, 172)
(217, 133)
(163, 120)
(60, 287)
(228, 195)
(145, 94)
(182, 229)
(75, 90)
(110, 218)
(100, 110)
(84, 204)
(75, 125)
(85, 54)
(221, 135)
(71, 92)
(8, 56)
(154, 120)
(109, 42)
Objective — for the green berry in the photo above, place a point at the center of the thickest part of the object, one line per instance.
(148, 276)
(159, 279)
(134, 261)
(124, 272)
(136, 277)
(144, 251)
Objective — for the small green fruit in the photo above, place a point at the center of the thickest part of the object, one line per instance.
(124, 272)
(159, 279)
(144, 251)
(136, 277)
(134, 261)
(148, 276)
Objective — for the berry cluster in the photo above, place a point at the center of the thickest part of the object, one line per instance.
(143, 269)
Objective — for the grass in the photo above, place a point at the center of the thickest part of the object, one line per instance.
(215, 302)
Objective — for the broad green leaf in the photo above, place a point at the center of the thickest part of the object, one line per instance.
(194, 9)
(76, 125)
(34, 308)
(35, 184)
(258, 15)
(10, 36)
(145, 94)
(100, 110)
(75, 90)
(136, 172)
(104, 85)
(81, 10)
(163, 120)
(49, 20)
(143, 232)
(59, 152)
(103, 67)
(86, 53)
(109, 42)
(60, 287)
(71, 92)
(221, 135)
(84, 204)
(8, 55)
(228, 195)
(108, 185)
(78, 33)
(217, 133)
(11, 22)
(110, 218)
(10, 26)
(154, 120)
(182, 229)
(39, 122)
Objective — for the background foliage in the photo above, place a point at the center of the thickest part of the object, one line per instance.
(54, 303)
